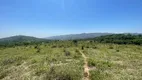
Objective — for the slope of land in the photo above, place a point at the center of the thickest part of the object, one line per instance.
(20, 40)
(62, 60)
(119, 39)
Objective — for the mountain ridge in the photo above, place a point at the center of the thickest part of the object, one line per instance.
(77, 36)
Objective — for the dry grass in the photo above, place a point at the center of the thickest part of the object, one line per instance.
(64, 62)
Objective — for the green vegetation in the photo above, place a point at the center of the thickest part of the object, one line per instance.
(111, 64)
(20, 41)
(41, 62)
(63, 60)
(120, 39)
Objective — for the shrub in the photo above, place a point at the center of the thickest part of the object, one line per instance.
(38, 51)
(110, 47)
(94, 47)
(82, 47)
(54, 46)
(91, 62)
(117, 50)
(87, 46)
(67, 53)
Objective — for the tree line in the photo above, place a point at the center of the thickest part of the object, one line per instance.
(120, 39)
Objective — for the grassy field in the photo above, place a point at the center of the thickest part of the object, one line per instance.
(62, 60)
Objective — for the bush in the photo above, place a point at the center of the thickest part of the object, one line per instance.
(110, 47)
(87, 46)
(67, 53)
(82, 47)
(94, 47)
(91, 62)
(117, 50)
(38, 51)
(54, 46)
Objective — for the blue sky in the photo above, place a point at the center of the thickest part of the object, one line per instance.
(43, 18)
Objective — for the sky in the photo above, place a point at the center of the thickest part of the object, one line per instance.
(43, 18)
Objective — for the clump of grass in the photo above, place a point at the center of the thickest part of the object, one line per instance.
(3, 74)
(38, 51)
(77, 54)
(54, 46)
(91, 62)
(67, 53)
(111, 47)
(36, 47)
(98, 75)
(61, 46)
(82, 47)
(94, 47)
(117, 50)
(99, 64)
(7, 61)
(11, 60)
(76, 50)
(40, 70)
(104, 64)
(33, 61)
(87, 47)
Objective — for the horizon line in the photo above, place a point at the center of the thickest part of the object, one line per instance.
(74, 34)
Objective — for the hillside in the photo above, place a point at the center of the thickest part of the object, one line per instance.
(77, 36)
(120, 39)
(20, 40)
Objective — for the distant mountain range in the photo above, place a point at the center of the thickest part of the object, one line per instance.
(21, 38)
(77, 36)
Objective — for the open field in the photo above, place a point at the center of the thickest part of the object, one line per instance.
(63, 60)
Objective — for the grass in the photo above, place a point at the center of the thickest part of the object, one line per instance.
(61, 60)
(111, 64)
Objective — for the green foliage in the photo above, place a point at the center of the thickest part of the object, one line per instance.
(21, 41)
(120, 39)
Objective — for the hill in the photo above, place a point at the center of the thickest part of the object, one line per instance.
(120, 39)
(20, 40)
(77, 36)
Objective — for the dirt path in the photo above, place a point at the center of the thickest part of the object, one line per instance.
(86, 67)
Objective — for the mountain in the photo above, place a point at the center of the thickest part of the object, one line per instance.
(77, 36)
